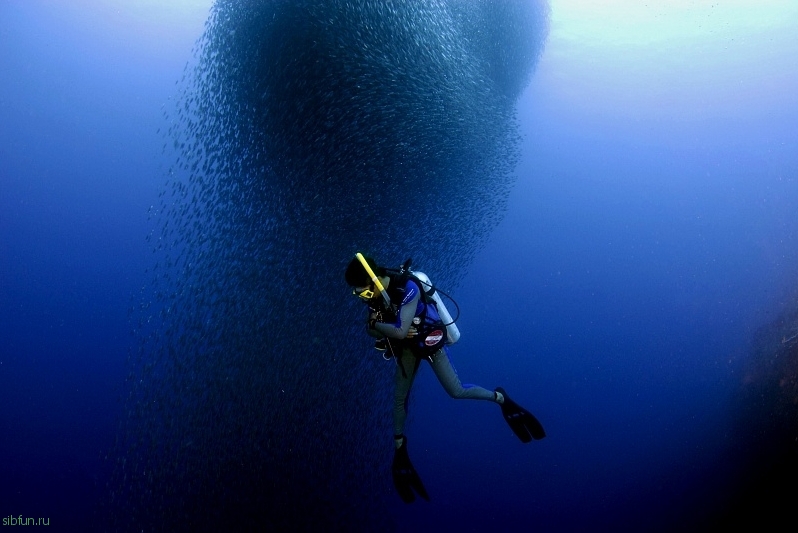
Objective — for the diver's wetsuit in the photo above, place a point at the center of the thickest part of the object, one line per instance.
(411, 306)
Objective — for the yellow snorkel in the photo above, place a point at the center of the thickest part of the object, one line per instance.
(374, 278)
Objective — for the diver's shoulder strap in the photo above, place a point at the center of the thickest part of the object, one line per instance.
(399, 279)
(427, 290)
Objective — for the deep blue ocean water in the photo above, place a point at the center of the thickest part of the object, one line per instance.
(649, 233)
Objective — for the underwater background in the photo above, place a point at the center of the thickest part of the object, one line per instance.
(607, 189)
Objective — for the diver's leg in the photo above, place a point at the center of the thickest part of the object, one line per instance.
(447, 375)
(403, 381)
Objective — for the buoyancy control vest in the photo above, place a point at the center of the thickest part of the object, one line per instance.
(431, 331)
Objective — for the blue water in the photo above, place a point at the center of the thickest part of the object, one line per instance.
(650, 231)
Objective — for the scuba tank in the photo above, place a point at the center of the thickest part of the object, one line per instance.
(452, 331)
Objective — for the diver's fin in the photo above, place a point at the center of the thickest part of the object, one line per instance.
(405, 477)
(522, 422)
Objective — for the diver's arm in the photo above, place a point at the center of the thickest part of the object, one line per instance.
(404, 320)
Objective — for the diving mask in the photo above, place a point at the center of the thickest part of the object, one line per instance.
(364, 293)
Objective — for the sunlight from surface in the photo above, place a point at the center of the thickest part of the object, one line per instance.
(628, 56)
(636, 23)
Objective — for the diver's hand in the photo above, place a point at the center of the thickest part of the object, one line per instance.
(412, 332)
(374, 317)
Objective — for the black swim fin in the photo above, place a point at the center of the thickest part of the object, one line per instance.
(405, 477)
(522, 422)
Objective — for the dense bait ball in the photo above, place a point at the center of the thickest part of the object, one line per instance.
(306, 130)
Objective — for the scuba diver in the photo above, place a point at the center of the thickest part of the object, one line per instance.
(410, 323)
